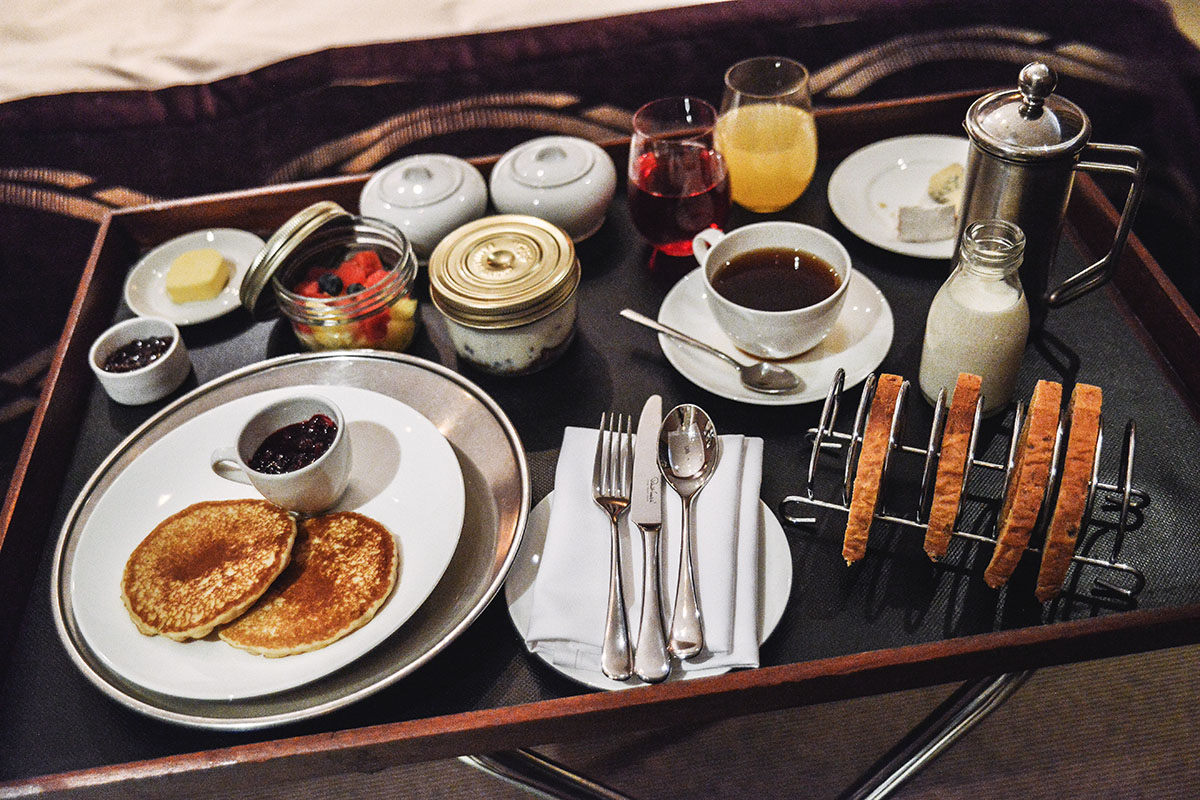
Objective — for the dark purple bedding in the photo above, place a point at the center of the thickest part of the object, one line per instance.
(65, 160)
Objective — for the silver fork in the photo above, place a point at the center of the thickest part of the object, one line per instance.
(612, 477)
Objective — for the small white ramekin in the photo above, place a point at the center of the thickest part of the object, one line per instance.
(146, 384)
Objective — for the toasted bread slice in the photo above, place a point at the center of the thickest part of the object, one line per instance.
(1027, 484)
(869, 473)
(952, 464)
(205, 565)
(343, 569)
(1071, 501)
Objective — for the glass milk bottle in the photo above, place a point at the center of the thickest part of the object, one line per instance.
(979, 319)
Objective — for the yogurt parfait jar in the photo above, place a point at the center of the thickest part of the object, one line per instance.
(506, 286)
(343, 281)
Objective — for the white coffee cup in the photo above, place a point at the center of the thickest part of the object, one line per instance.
(308, 490)
(773, 334)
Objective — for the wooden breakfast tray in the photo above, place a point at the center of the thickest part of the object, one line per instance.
(894, 622)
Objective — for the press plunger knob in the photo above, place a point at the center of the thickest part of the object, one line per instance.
(1036, 82)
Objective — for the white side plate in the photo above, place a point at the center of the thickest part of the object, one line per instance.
(146, 285)
(868, 188)
(775, 584)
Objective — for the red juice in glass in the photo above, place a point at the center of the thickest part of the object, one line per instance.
(676, 194)
(677, 181)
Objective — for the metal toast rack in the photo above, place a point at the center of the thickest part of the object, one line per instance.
(1111, 510)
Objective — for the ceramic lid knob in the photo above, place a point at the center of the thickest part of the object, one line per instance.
(426, 196)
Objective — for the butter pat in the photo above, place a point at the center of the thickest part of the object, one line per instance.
(197, 275)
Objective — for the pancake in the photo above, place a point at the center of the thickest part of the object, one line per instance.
(343, 569)
(205, 565)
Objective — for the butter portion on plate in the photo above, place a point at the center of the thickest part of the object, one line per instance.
(197, 275)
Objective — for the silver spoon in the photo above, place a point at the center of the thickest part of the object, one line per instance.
(687, 455)
(759, 376)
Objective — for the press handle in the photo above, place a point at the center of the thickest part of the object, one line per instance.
(1102, 271)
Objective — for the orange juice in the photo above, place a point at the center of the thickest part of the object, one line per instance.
(771, 153)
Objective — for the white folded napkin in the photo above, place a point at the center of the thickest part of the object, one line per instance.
(570, 594)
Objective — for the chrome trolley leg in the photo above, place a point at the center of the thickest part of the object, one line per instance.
(945, 725)
(541, 776)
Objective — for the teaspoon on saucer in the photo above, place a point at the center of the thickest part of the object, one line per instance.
(758, 376)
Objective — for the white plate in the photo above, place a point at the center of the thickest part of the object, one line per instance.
(858, 343)
(775, 585)
(146, 286)
(405, 475)
(868, 188)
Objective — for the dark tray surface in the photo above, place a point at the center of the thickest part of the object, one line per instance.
(52, 720)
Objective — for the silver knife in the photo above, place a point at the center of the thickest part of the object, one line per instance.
(650, 660)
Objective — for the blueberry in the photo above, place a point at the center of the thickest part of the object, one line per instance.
(354, 287)
(330, 284)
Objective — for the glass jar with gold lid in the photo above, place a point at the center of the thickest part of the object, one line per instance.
(506, 286)
(343, 281)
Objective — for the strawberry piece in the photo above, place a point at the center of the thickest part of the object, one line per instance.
(374, 327)
(374, 278)
(309, 289)
(356, 268)
(371, 260)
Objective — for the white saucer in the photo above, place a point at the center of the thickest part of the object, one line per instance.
(775, 583)
(858, 343)
(868, 188)
(146, 291)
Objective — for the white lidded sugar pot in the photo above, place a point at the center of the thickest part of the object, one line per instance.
(1026, 146)
(564, 180)
(426, 196)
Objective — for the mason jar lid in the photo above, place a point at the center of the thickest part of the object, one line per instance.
(1030, 124)
(253, 292)
(503, 271)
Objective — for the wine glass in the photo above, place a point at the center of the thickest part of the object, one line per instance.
(678, 183)
(766, 132)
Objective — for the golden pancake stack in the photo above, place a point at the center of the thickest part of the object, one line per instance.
(277, 587)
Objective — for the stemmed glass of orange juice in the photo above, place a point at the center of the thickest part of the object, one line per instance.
(766, 132)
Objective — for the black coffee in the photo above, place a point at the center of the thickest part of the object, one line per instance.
(776, 279)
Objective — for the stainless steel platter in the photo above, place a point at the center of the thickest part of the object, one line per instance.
(496, 478)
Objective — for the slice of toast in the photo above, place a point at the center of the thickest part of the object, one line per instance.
(1027, 484)
(952, 464)
(1071, 501)
(869, 473)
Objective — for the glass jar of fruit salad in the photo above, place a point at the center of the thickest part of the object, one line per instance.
(343, 281)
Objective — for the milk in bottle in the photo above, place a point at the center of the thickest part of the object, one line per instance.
(979, 319)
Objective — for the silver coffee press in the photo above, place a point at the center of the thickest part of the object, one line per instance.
(1025, 149)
